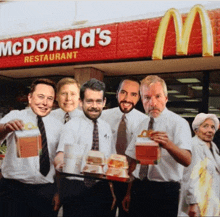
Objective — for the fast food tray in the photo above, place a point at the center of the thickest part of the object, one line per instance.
(92, 176)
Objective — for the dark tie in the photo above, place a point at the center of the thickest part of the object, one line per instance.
(95, 142)
(144, 168)
(66, 117)
(44, 156)
(121, 143)
(95, 146)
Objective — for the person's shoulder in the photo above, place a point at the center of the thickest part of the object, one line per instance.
(54, 121)
(175, 118)
(76, 121)
(138, 113)
(110, 114)
(136, 117)
(16, 113)
(76, 113)
(55, 111)
(110, 111)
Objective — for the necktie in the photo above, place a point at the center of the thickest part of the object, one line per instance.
(66, 117)
(144, 168)
(44, 156)
(95, 146)
(121, 143)
(95, 142)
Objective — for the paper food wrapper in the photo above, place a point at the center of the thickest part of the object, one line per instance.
(95, 158)
(73, 158)
(28, 141)
(117, 174)
(147, 151)
(118, 161)
(93, 170)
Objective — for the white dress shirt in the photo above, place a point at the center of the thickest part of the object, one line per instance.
(200, 184)
(26, 170)
(133, 119)
(59, 114)
(178, 131)
(78, 132)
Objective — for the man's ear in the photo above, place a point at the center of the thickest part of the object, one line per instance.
(117, 94)
(104, 102)
(29, 98)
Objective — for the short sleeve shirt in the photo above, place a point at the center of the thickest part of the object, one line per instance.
(178, 131)
(26, 170)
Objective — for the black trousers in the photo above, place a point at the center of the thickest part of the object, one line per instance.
(154, 199)
(120, 190)
(80, 201)
(24, 200)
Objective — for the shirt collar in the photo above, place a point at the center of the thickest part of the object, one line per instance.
(127, 115)
(162, 115)
(89, 120)
(31, 113)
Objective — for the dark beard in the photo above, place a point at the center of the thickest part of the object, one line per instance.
(126, 111)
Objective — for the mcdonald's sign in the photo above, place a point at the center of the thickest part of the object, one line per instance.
(183, 32)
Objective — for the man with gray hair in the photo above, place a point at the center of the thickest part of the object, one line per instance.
(156, 193)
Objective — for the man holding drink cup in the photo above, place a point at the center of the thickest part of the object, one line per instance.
(79, 132)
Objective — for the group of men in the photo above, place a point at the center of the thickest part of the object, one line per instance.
(29, 185)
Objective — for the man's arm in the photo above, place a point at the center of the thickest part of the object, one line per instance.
(58, 164)
(127, 199)
(9, 127)
(59, 160)
(182, 156)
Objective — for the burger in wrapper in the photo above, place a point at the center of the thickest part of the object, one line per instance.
(117, 168)
(95, 162)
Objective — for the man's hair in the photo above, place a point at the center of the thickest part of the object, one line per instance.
(92, 84)
(129, 78)
(42, 81)
(152, 79)
(67, 80)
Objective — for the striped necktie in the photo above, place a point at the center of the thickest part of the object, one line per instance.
(66, 117)
(95, 146)
(44, 156)
(95, 142)
(144, 168)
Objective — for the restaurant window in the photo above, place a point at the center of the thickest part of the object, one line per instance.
(186, 95)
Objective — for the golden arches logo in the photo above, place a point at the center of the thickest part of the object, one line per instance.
(183, 32)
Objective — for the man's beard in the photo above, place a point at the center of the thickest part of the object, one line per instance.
(126, 110)
(91, 110)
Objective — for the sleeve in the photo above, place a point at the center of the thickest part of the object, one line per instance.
(12, 115)
(193, 175)
(183, 136)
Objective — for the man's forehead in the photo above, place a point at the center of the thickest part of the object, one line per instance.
(44, 89)
(131, 86)
(89, 93)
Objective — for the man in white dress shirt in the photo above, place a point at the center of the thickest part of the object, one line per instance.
(25, 190)
(81, 200)
(68, 100)
(127, 97)
(157, 193)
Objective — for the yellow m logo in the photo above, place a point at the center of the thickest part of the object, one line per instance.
(183, 32)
